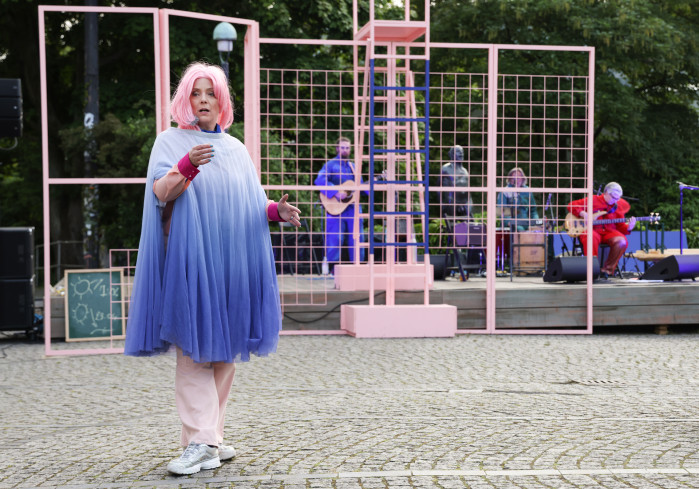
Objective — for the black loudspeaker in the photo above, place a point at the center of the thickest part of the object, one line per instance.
(16, 304)
(439, 265)
(16, 252)
(570, 269)
(674, 267)
(301, 252)
(10, 107)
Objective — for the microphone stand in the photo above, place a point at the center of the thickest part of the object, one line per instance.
(682, 187)
(564, 247)
(548, 252)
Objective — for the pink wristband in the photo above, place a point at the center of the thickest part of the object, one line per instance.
(273, 212)
(186, 168)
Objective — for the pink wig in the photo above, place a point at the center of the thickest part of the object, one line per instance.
(181, 108)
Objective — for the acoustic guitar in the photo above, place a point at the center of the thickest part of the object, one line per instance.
(336, 206)
(575, 226)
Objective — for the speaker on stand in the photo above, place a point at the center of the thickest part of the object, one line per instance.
(10, 107)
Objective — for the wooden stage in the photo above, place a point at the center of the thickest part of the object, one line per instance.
(526, 302)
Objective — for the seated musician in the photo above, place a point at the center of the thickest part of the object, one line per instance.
(517, 209)
(609, 205)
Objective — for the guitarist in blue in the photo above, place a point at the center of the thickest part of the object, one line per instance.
(339, 204)
(608, 206)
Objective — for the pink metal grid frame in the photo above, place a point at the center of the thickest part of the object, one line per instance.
(162, 96)
(541, 123)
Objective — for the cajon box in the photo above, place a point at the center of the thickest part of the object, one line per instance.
(529, 250)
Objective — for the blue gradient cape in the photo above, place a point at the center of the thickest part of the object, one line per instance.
(213, 292)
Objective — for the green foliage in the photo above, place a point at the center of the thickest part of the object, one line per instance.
(123, 151)
(437, 237)
(20, 186)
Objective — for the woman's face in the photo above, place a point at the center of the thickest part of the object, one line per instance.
(204, 103)
(517, 179)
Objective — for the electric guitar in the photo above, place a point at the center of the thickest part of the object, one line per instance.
(575, 226)
(335, 206)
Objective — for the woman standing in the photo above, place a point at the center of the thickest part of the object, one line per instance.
(205, 279)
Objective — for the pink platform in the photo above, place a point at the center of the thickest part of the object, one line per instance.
(405, 276)
(399, 321)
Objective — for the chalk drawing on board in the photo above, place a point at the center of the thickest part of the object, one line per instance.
(94, 304)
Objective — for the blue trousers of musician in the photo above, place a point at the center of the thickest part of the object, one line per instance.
(338, 232)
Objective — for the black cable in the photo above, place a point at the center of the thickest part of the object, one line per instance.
(286, 315)
(326, 314)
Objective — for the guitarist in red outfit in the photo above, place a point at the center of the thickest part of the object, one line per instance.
(609, 205)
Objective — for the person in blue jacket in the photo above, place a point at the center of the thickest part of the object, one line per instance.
(338, 226)
(517, 209)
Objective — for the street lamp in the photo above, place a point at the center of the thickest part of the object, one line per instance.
(224, 35)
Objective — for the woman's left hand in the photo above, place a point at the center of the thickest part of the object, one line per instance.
(288, 212)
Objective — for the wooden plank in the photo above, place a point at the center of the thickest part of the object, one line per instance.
(654, 294)
(641, 315)
(534, 318)
(540, 298)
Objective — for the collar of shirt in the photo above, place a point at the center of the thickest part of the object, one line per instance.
(216, 129)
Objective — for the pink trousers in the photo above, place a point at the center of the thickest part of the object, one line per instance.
(201, 394)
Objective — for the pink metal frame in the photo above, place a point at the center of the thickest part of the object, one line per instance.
(569, 98)
(162, 97)
(48, 181)
(489, 172)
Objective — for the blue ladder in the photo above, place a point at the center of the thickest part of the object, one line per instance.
(425, 151)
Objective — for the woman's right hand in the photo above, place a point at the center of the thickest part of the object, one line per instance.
(201, 154)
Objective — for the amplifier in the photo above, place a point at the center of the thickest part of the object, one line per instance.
(469, 235)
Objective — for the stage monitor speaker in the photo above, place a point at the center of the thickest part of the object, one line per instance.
(16, 252)
(570, 269)
(674, 267)
(16, 304)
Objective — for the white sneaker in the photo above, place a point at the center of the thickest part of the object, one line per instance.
(196, 456)
(225, 452)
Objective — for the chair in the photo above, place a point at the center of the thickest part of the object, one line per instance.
(602, 252)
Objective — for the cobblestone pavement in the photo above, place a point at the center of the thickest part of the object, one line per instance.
(609, 410)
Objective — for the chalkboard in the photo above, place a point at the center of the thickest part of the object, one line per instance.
(94, 305)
